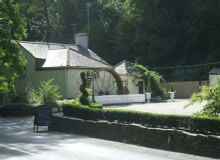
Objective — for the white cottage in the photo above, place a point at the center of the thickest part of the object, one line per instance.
(65, 62)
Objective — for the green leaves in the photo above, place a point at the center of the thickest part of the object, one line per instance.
(11, 59)
(84, 96)
(153, 77)
(212, 96)
(46, 93)
(148, 87)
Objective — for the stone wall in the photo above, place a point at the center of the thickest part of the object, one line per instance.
(168, 139)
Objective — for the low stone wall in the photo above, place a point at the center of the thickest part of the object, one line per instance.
(168, 139)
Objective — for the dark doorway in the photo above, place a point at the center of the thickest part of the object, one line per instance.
(141, 87)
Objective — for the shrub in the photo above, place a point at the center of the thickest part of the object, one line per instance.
(46, 94)
(96, 105)
(153, 77)
(92, 103)
(190, 123)
(84, 96)
(18, 105)
(32, 96)
(171, 87)
(148, 87)
(212, 96)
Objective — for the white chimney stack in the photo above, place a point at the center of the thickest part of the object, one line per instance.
(82, 40)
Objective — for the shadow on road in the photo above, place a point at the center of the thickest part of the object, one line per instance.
(15, 132)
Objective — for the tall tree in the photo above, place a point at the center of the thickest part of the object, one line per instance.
(13, 27)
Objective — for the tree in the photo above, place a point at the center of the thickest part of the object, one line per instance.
(212, 96)
(12, 62)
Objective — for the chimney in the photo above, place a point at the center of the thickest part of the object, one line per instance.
(82, 40)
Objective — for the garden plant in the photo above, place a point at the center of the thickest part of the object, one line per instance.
(46, 93)
(212, 96)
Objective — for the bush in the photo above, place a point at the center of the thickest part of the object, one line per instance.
(171, 87)
(148, 87)
(32, 96)
(212, 96)
(84, 96)
(92, 104)
(17, 109)
(96, 105)
(189, 123)
(154, 78)
(18, 105)
(46, 94)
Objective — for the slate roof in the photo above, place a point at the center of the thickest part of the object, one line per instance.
(49, 55)
(215, 71)
(122, 67)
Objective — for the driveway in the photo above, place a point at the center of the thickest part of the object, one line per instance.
(19, 142)
(168, 107)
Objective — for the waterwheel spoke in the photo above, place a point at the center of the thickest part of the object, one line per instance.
(102, 81)
(111, 85)
(97, 85)
(111, 89)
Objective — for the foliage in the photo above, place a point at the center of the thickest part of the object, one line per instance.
(46, 94)
(17, 110)
(212, 96)
(155, 33)
(18, 105)
(92, 104)
(171, 88)
(32, 96)
(12, 62)
(153, 77)
(65, 101)
(195, 124)
(96, 105)
(148, 87)
(84, 93)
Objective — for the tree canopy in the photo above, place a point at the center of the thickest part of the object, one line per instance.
(13, 27)
(155, 33)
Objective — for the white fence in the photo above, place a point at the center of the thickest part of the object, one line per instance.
(120, 99)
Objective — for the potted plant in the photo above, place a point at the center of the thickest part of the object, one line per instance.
(172, 92)
(148, 94)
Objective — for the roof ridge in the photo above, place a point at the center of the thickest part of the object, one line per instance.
(120, 63)
(63, 45)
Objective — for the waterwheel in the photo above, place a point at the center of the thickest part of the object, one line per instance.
(105, 82)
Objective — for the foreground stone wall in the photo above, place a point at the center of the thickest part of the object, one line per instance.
(168, 139)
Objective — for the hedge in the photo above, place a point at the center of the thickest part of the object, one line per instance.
(189, 123)
(17, 110)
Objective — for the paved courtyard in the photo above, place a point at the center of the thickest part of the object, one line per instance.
(168, 107)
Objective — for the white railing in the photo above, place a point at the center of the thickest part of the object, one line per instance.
(120, 99)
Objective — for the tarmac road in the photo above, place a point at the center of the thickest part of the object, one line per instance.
(19, 142)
